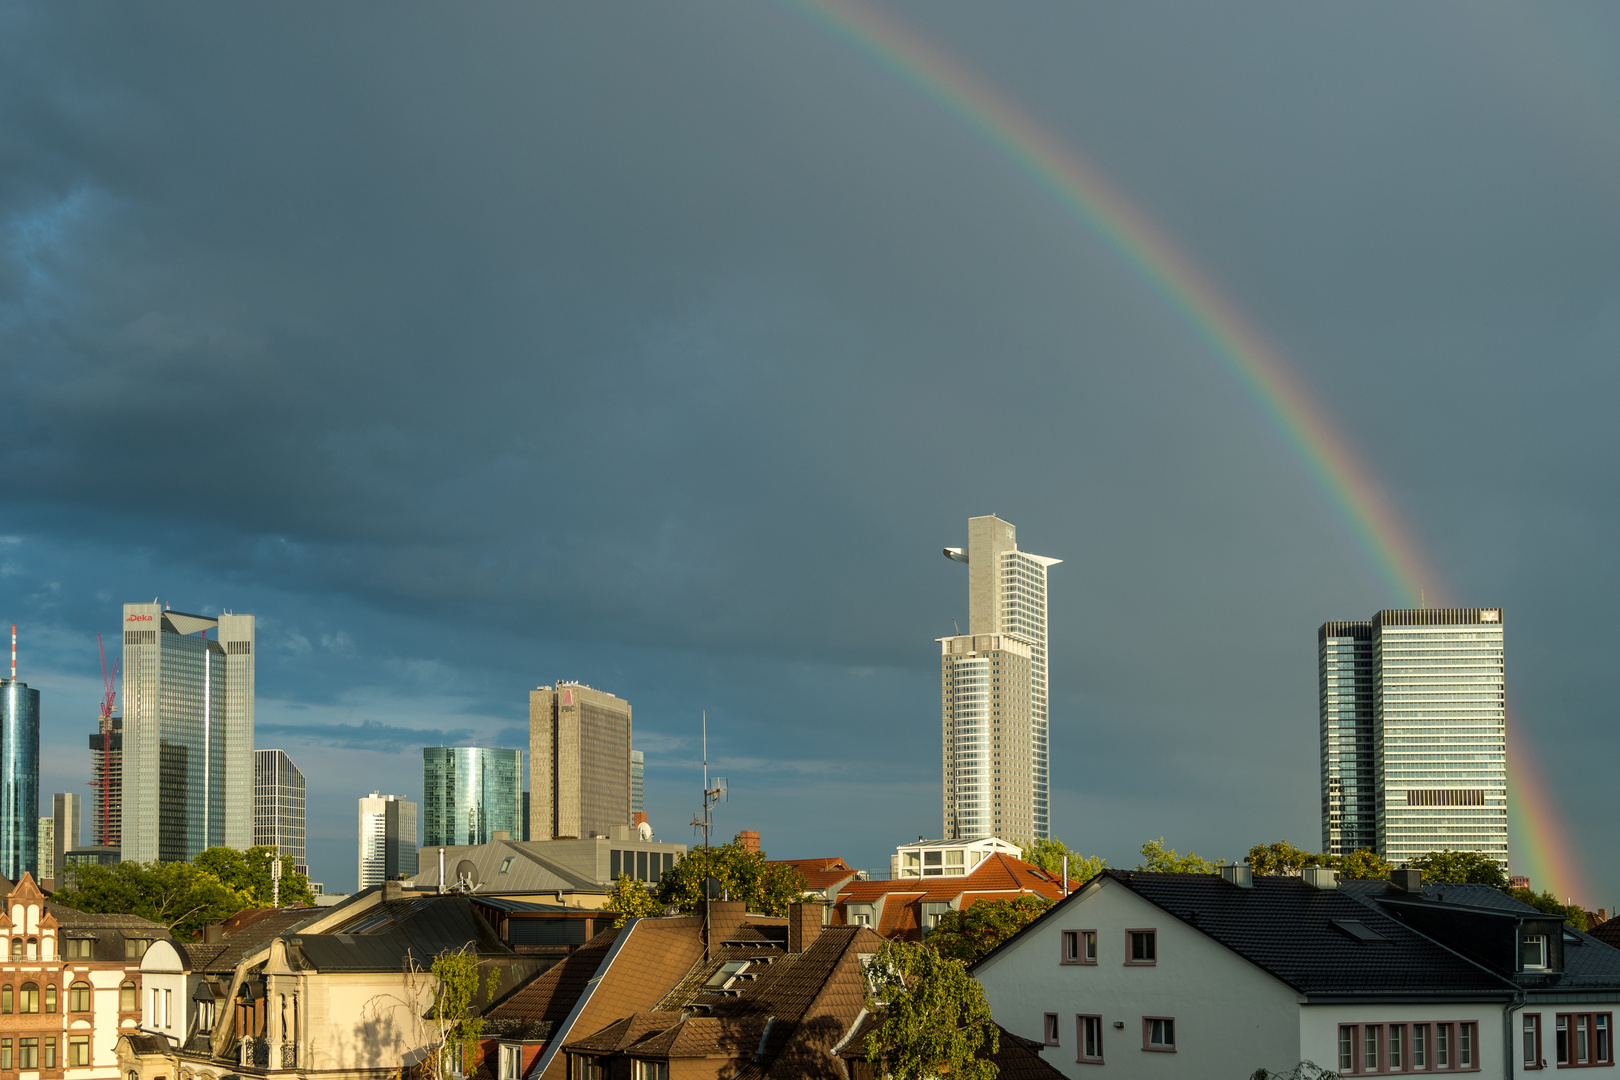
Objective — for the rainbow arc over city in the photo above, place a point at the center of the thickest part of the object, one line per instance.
(1309, 433)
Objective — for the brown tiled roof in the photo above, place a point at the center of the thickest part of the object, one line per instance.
(551, 995)
(196, 956)
(999, 877)
(817, 873)
(74, 919)
(1607, 932)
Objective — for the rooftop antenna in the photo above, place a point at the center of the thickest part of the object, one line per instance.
(711, 796)
(955, 626)
(13, 652)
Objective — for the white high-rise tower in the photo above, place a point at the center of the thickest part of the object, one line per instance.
(994, 693)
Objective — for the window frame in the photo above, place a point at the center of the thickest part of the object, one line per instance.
(1147, 1035)
(77, 991)
(1080, 1021)
(1569, 1025)
(1542, 949)
(1458, 1033)
(1081, 939)
(1530, 1033)
(76, 1044)
(1153, 939)
(509, 1053)
(28, 994)
(130, 992)
(1049, 1029)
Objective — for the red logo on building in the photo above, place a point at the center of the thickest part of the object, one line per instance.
(139, 618)
(568, 697)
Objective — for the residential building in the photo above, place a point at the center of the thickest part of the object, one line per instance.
(66, 829)
(278, 806)
(579, 762)
(47, 849)
(1414, 733)
(638, 783)
(582, 871)
(908, 909)
(387, 839)
(1195, 975)
(946, 858)
(469, 793)
(188, 734)
(993, 689)
(822, 877)
(19, 774)
(107, 798)
(69, 984)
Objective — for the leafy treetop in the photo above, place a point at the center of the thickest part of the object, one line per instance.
(1157, 858)
(1048, 855)
(972, 934)
(630, 899)
(743, 875)
(249, 872)
(933, 1018)
(1545, 901)
(1461, 868)
(181, 896)
(1284, 858)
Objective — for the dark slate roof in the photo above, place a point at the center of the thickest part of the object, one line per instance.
(74, 919)
(243, 943)
(1286, 927)
(381, 938)
(1607, 932)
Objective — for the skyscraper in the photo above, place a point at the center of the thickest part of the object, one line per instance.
(579, 762)
(469, 793)
(19, 774)
(1413, 707)
(47, 848)
(387, 839)
(994, 692)
(278, 806)
(188, 733)
(107, 766)
(66, 810)
(638, 782)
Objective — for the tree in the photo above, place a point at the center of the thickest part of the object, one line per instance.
(743, 875)
(1461, 868)
(630, 899)
(181, 896)
(1159, 860)
(972, 934)
(934, 1019)
(1281, 858)
(1363, 865)
(1048, 855)
(455, 979)
(1546, 902)
(249, 872)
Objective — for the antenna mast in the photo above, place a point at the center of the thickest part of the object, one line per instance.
(13, 652)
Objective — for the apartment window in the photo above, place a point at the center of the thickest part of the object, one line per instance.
(1397, 1047)
(16, 948)
(1420, 1046)
(1442, 1046)
(1159, 1033)
(860, 914)
(48, 1060)
(5, 1054)
(1465, 1045)
(1347, 1048)
(1533, 952)
(5, 999)
(78, 948)
(126, 997)
(29, 998)
(1091, 1035)
(50, 997)
(1079, 947)
(511, 1062)
(33, 948)
(79, 997)
(932, 912)
(1141, 947)
(1049, 1029)
(1531, 1027)
(1369, 1046)
(28, 1053)
(135, 948)
(651, 1070)
(78, 1050)
(1583, 1039)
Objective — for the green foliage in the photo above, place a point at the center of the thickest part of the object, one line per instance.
(972, 934)
(1157, 858)
(249, 872)
(1284, 858)
(934, 1019)
(1546, 902)
(630, 899)
(1048, 855)
(182, 896)
(455, 978)
(743, 874)
(1461, 868)
(1363, 865)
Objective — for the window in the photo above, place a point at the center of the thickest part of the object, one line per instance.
(589, 1069)
(1159, 1033)
(1142, 946)
(1531, 1025)
(168, 1003)
(5, 1054)
(30, 998)
(1369, 1046)
(33, 948)
(16, 948)
(860, 914)
(1600, 1029)
(1049, 1030)
(1420, 1046)
(1465, 1045)
(506, 864)
(651, 1070)
(1442, 1046)
(5, 999)
(1533, 951)
(1091, 1033)
(78, 1050)
(78, 948)
(135, 948)
(932, 912)
(1397, 1048)
(28, 1053)
(1079, 947)
(50, 997)
(511, 1062)
(126, 997)
(79, 997)
(49, 1060)
(1584, 1039)
(1347, 1048)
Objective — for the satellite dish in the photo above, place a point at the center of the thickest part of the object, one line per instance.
(712, 889)
(467, 870)
(644, 831)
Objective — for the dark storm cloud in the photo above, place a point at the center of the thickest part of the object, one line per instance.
(666, 346)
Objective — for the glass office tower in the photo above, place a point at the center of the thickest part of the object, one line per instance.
(19, 779)
(469, 793)
(278, 806)
(387, 839)
(1349, 779)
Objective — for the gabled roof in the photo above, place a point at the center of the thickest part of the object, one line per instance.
(1607, 932)
(254, 934)
(998, 877)
(72, 919)
(1311, 939)
(818, 873)
(550, 997)
(384, 937)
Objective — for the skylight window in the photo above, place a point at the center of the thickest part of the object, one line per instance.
(1361, 931)
(728, 971)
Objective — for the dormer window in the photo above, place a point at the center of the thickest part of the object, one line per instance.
(1533, 952)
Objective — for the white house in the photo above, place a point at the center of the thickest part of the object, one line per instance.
(1217, 975)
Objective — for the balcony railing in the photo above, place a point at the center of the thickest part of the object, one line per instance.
(253, 1053)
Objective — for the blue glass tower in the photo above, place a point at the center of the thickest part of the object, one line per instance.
(19, 779)
(469, 793)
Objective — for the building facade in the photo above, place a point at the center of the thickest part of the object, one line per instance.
(188, 733)
(387, 839)
(47, 848)
(19, 777)
(278, 806)
(107, 798)
(1414, 701)
(993, 693)
(67, 809)
(469, 793)
(638, 783)
(579, 762)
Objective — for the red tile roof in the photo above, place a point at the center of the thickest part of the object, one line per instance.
(999, 877)
(817, 873)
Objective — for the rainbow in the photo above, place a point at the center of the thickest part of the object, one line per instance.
(1349, 487)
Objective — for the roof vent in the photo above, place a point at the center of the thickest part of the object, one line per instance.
(1238, 874)
(1407, 880)
(1321, 877)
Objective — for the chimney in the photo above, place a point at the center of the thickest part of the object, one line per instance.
(1407, 880)
(721, 918)
(749, 839)
(804, 926)
(1603, 914)
(1238, 874)
(638, 819)
(501, 834)
(1321, 877)
(392, 890)
(213, 935)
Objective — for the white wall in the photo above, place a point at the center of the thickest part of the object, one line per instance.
(1319, 1029)
(1231, 1017)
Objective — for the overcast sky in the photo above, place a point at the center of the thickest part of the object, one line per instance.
(663, 346)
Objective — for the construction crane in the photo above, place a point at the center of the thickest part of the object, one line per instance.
(103, 780)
